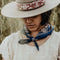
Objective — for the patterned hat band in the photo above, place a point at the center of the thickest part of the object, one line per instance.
(25, 6)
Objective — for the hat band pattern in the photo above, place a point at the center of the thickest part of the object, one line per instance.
(31, 5)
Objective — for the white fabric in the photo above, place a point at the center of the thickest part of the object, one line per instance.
(12, 50)
(11, 10)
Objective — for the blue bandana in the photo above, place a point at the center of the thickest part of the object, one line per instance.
(43, 33)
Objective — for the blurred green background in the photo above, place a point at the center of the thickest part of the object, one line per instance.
(10, 25)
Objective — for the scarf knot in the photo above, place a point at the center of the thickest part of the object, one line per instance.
(43, 33)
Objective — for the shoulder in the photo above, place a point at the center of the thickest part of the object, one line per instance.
(57, 34)
(55, 37)
(9, 41)
(13, 37)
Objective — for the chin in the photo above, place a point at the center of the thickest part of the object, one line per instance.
(33, 29)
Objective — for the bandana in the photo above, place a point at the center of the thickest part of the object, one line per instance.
(25, 6)
(43, 33)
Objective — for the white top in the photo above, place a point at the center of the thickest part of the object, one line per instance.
(12, 50)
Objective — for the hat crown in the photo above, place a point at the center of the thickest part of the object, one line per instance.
(25, 0)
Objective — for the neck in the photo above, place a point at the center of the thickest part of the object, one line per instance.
(34, 34)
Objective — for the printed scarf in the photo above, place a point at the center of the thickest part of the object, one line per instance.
(43, 33)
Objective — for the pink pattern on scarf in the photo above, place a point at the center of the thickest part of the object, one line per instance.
(31, 5)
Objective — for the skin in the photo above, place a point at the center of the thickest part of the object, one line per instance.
(33, 25)
(2, 58)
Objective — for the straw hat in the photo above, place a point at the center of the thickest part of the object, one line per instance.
(28, 8)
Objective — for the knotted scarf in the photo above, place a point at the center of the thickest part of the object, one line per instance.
(43, 33)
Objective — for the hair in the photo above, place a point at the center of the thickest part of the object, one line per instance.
(45, 17)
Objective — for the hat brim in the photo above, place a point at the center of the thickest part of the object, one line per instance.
(10, 10)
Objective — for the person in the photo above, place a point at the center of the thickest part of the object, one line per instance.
(37, 40)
